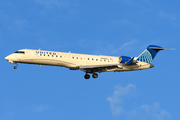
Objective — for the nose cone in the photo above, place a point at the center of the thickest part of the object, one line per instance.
(7, 57)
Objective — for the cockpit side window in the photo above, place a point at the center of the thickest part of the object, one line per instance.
(20, 52)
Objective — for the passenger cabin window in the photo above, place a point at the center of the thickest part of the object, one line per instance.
(20, 52)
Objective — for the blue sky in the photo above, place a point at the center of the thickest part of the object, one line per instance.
(101, 27)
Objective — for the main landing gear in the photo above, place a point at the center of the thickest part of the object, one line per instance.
(15, 65)
(87, 76)
(94, 75)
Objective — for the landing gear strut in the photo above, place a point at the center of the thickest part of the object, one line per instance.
(15, 65)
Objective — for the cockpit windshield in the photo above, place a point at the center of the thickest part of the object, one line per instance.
(20, 52)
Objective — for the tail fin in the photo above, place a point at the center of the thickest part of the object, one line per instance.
(149, 54)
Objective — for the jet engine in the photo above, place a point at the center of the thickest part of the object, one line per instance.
(127, 60)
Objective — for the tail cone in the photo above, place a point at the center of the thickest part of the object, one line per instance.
(151, 65)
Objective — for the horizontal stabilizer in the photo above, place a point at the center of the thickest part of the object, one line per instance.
(156, 48)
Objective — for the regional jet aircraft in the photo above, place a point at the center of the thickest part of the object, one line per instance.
(90, 64)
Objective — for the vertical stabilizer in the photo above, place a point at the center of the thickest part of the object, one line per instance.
(149, 54)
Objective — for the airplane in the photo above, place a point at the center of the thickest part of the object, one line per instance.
(90, 64)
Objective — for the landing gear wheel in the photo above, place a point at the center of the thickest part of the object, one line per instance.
(15, 65)
(95, 75)
(86, 76)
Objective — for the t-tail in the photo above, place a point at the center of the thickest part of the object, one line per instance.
(149, 53)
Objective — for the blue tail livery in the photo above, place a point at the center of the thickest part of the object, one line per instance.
(149, 54)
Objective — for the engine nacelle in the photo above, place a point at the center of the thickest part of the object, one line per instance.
(127, 60)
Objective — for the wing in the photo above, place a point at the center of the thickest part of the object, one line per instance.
(97, 68)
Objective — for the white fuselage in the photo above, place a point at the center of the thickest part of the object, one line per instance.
(72, 60)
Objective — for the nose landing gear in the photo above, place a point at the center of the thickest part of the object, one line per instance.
(15, 65)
